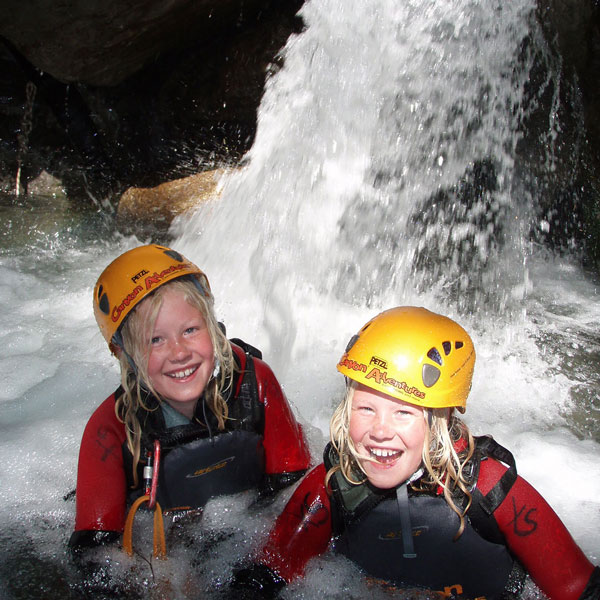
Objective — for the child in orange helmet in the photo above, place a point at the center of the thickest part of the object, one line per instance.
(407, 493)
(196, 415)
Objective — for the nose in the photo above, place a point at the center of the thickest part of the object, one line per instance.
(178, 350)
(381, 428)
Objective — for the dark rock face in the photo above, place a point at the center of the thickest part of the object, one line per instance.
(576, 25)
(567, 83)
(103, 42)
(133, 96)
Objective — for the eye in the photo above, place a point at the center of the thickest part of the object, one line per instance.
(404, 413)
(155, 340)
(193, 326)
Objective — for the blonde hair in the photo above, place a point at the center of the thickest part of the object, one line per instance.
(444, 464)
(137, 332)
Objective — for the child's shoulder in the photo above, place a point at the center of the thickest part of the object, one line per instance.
(245, 352)
(105, 412)
(240, 348)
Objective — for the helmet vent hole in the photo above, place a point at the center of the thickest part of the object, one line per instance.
(104, 304)
(458, 345)
(435, 356)
(174, 255)
(447, 347)
(351, 343)
(430, 375)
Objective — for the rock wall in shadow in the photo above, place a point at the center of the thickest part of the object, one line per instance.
(191, 106)
(559, 154)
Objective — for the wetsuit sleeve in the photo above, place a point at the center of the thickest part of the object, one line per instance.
(537, 537)
(286, 450)
(101, 482)
(302, 531)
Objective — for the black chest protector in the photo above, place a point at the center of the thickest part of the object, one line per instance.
(198, 461)
(369, 525)
(194, 472)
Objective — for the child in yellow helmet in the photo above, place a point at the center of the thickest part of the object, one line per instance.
(407, 493)
(190, 419)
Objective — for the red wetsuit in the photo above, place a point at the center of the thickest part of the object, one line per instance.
(532, 531)
(102, 489)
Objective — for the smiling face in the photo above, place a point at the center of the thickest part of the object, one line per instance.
(390, 432)
(181, 359)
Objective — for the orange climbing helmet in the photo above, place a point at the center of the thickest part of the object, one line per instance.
(131, 277)
(414, 355)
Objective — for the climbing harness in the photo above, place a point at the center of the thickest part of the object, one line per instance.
(150, 487)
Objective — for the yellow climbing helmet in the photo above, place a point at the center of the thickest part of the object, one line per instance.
(414, 355)
(134, 275)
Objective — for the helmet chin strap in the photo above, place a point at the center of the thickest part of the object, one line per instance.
(117, 341)
(429, 417)
(429, 413)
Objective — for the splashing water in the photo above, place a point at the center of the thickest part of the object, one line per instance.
(383, 173)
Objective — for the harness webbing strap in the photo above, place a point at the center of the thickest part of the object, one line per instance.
(492, 500)
(405, 523)
(248, 384)
(248, 411)
(160, 547)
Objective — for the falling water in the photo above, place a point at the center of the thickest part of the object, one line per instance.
(384, 172)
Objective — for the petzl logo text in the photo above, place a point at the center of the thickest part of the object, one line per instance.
(379, 362)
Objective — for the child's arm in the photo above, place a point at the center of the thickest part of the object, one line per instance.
(538, 538)
(101, 482)
(286, 452)
(301, 532)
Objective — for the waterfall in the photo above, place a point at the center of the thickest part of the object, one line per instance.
(387, 169)
(383, 167)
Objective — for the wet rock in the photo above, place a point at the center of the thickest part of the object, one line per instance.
(575, 26)
(102, 42)
(46, 185)
(151, 210)
(190, 107)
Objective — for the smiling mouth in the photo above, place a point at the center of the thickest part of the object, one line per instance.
(384, 456)
(182, 374)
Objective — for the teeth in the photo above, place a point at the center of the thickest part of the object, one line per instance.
(182, 374)
(381, 453)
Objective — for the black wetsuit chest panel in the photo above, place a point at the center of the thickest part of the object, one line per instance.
(471, 567)
(192, 473)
